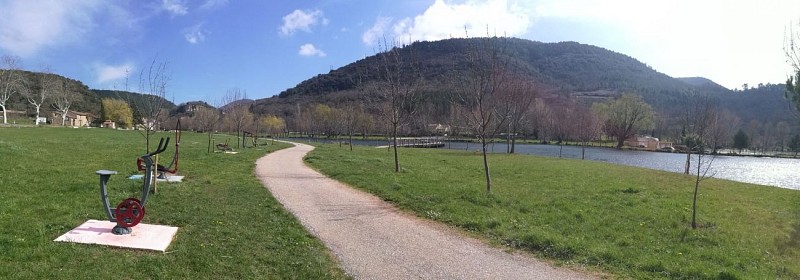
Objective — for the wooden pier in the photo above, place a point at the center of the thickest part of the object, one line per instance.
(417, 142)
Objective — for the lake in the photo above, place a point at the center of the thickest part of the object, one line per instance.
(778, 172)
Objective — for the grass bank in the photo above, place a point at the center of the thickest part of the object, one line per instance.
(230, 226)
(629, 221)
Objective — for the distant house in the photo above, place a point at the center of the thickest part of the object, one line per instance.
(74, 119)
(439, 129)
(647, 142)
(109, 124)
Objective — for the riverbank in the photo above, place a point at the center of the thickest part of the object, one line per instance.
(632, 222)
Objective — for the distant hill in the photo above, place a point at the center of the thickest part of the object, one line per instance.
(703, 84)
(86, 101)
(131, 97)
(566, 69)
(235, 103)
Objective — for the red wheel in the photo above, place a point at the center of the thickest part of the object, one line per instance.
(129, 213)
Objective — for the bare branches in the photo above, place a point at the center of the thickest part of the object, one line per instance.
(150, 109)
(208, 119)
(237, 110)
(481, 92)
(397, 88)
(38, 91)
(63, 97)
(9, 80)
(791, 46)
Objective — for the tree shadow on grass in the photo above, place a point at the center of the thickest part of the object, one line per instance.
(792, 241)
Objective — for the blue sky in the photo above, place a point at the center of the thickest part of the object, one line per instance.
(265, 47)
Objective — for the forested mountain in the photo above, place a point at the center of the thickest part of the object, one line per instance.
(565, 70)
(133, 98)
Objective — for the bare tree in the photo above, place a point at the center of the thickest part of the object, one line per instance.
(791, 48)
(559, 128)
(703, 167)
(63, 96)
(38, 89)
(782, 135)
(697, 116)
(396, 89)
(207, 119)
(539, 115)
(723, 126)
(520, 95)
(9, 79)
(481, 91)
(151, 106)
(237, 110)
(586, 127)
(351, 118)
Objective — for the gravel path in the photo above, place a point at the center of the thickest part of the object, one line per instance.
(374, 240)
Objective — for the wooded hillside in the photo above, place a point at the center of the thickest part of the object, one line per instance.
(565, 70)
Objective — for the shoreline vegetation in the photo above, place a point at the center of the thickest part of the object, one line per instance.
(631, 222)
(229, 224)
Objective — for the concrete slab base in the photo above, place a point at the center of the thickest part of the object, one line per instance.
(144, 236)
(169, 179)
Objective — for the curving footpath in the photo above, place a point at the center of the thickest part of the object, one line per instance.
(374, 240)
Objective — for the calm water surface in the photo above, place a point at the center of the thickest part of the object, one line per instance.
(778, 172)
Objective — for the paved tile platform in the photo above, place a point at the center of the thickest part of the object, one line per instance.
(170, 179)
(144, 236)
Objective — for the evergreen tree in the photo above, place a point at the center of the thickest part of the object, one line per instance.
(741, 141)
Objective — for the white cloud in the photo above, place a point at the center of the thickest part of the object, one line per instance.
(374, 33)
(301, 20)
(730, 42)
(195, 34)
(175, 7)
(28, 26)
(444, 20)
(112, 73)
(311, 50)
(213, 4)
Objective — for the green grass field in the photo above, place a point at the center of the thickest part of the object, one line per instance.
(630, 222)
(230, 226)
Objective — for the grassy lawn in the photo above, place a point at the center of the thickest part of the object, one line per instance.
(230, 226)
(631, 222)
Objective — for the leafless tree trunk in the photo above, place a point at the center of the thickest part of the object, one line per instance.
(397, 89)
(153, 82)
(701, 175)
(38, 91)
(520, 96)
(697, 116)
(208, 119)
(481, 92)
(9, 81)
(351, 117)
(722, 129)
(587, 128)
(63, 97)
(237, 111)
